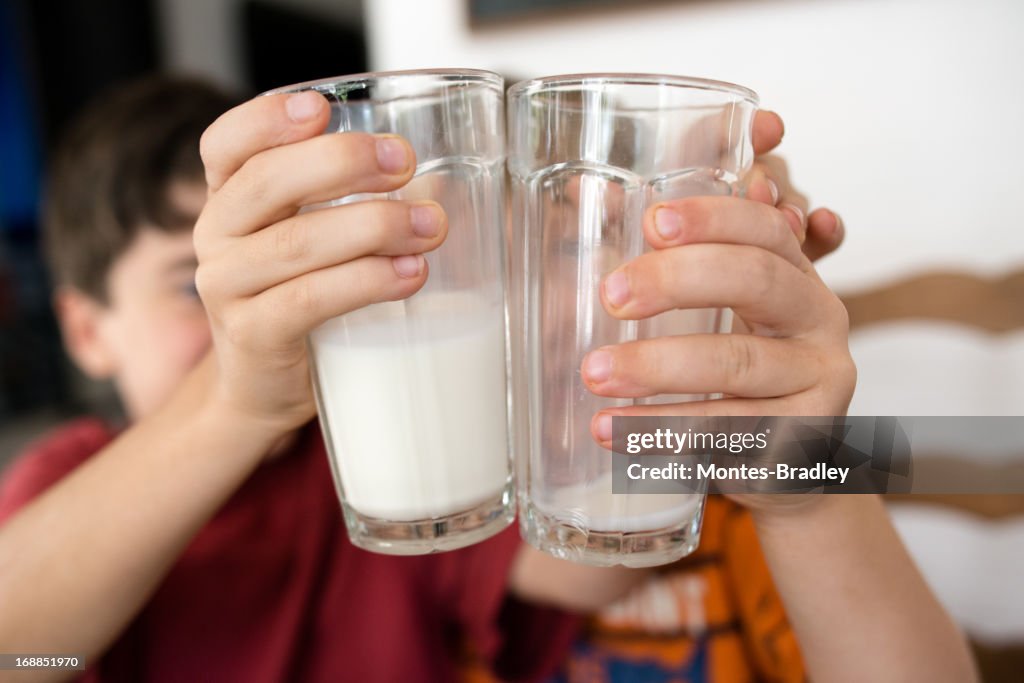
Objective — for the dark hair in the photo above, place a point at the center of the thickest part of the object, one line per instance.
(113, 170)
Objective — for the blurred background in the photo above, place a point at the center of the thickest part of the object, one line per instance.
(903, 115)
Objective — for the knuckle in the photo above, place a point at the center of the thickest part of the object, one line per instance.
(736, 359)
(255, 176)
(208, 147)
(842, 316)
(209, 248)
(651, 277)
(206, 283)
(846, 373)
(200, 239)
(344, 153)
(374, 226)
(841, 365)
(851, 375)
(762, 273)
(836, 387)
(328, 150)
(290, 242)
(300, 296)
(240, 327)
(836, 314)
(388, 220)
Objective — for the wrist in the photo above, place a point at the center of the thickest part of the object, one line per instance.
(202, 408)
(806, 510)
(270, 404)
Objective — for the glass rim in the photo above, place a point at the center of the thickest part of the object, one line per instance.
(547, 83)
(467, 75)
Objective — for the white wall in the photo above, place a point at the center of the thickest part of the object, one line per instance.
(904, 115)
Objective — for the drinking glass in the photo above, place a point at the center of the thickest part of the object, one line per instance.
(412, 394)
(588, 154)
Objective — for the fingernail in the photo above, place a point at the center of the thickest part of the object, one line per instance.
(800, 228)
(616, 289)
(391, 155)
(796, 212)
(425, 221)
(408, 266)
(603, 427)
(303, 106)
(597, 366)
(773, 189)
(668, 223)
(837, 231)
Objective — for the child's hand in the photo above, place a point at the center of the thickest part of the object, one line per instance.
(820, 232)
(269, 275)
(726, 252)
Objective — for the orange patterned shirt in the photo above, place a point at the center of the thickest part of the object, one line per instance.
(712, 617)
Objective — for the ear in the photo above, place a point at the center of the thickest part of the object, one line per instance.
(81, 317)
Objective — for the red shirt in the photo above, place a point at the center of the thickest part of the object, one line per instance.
(271, 589)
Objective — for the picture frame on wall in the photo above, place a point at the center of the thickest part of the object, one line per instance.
(489, 12)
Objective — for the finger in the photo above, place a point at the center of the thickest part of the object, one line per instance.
(295, 307)
(796, 217)
(601, 423)
(768, 130)
(256, 125)
(327, 237)
(825, 232)
(768, 292)
(760, 187)
(793, 203)
(723, 220)
(275, 183)
(739, 365)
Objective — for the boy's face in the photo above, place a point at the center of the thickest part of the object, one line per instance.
(153, 329)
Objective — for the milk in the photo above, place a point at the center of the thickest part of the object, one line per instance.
(414, 408)
(594, 507)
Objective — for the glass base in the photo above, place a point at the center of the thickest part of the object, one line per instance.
(608, 548)
(434, 535)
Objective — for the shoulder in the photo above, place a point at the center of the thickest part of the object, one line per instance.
(47, 460)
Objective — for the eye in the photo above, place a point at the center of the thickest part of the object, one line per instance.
(189, 289)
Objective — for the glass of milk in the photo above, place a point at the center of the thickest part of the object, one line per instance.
(587, 155)
(412, 394)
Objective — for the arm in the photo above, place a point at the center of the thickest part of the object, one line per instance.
(94, 547)
(539, 577)
(543, 579)
(859, 619)
(79, 562)
(859, 608)
(856, 620)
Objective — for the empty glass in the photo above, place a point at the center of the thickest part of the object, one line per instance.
(587, 155)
